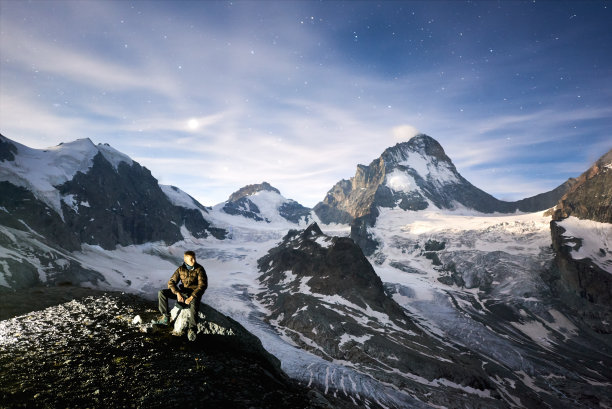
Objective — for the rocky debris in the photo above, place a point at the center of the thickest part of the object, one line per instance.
(92, 353)
(31, 260)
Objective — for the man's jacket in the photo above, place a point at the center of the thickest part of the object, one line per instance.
(195, 280)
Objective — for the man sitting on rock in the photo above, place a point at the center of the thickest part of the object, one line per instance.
(188, 293)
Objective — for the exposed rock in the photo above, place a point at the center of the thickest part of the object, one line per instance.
(130, 208)
(294, 212)
(590, 195)
(245, 207)
(7, 149)
(248, 190)
(580, 283)
(88, 353)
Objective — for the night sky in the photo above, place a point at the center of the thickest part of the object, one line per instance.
(211, 96)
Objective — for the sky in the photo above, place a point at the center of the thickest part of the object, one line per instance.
(211, 96)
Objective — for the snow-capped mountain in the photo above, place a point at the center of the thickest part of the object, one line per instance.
(263, 202)
(452, 307)
(413, 175)
(59, 199)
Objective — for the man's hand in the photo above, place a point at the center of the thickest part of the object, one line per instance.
(188, 300)
(180, 298)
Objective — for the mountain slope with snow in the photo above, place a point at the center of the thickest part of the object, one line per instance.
(413, 175)
(472, 288)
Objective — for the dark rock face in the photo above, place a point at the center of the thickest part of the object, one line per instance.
(324, 294)
(590, 196)
(23, 211)
(244, 207)
(581, 283)
(294, 212)
(350, 201)
(125, 206)
(581, 277)
(7, 149)
(86, 352)
(252, 189)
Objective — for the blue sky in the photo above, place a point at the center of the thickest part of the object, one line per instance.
(211, 96)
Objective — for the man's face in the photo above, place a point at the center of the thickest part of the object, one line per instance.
(189, 260)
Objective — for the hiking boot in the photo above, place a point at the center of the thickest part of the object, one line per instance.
(191, 335)
(164, 320)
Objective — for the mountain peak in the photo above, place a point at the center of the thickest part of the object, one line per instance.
(421, 144)
(249, 190)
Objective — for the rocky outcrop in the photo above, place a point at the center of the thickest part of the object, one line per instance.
(7, 149)
(579, 277)
(249, 190)
(581, 282)
(323, 294)
(90, 352)
(590, 196)
(412, 175)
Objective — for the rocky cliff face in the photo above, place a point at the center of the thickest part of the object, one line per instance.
(412, 175)
(130, 208)
(583, 279)
(590, 196)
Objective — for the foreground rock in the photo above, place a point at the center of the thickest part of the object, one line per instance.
(92, 353)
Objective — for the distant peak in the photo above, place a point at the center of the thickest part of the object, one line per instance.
(249, 190)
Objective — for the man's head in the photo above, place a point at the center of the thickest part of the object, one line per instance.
(189, 258)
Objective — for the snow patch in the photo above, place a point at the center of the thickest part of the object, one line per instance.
(596, 240)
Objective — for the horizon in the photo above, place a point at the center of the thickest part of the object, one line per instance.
(213, 96)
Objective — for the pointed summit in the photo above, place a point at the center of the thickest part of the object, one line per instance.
(249, 190)
(413, 175)
(264, 202)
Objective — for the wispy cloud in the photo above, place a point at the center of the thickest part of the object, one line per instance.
(241, 101)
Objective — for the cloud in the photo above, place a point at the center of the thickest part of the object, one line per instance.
(404, 132)
(243, 101)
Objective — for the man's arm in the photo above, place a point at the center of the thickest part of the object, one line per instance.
(202, 283)
(172, 283)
